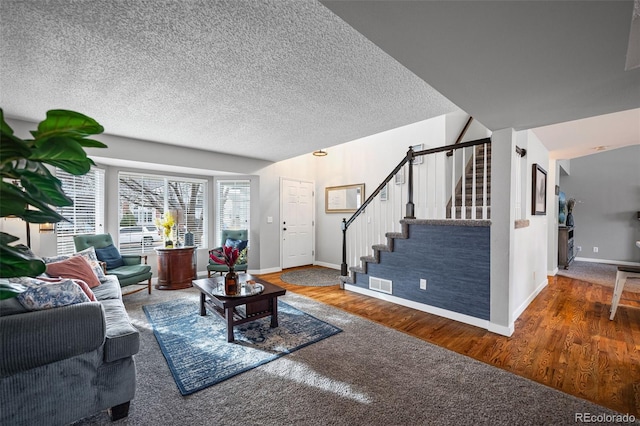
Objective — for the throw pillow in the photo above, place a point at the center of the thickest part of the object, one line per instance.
(111, 256)
(74, 267)
(52, 295)
(239, 244)
(83, 285)
(89, 254)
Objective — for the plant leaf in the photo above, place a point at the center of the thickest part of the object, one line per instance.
(74, 167)
(58, 148)
(47, 189)
(18, 261)
(15, 203)
(4, 127)
(9, 290)
(61, 122)
(90, 143)
(12, 148)
(7, 238)
(37, 216)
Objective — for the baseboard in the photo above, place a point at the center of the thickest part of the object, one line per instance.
(553, 273)
(466, 319)
(610, 262)
(501, 329)
(527, 302)
(327, 265)
(265, 271)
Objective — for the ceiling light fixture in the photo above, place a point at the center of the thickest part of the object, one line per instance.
(320, 153)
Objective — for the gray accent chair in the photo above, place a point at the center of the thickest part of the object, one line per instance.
(132, 272)
(241, 264)
(60, 365)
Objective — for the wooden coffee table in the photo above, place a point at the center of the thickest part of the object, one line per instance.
(256, 306)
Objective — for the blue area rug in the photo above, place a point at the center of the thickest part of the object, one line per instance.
(196, 347)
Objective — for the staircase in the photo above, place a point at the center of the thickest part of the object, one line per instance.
(453, 257)
(480, 176)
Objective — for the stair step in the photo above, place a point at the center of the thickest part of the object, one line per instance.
(381, 247)
(469, 176)
(399, 235)
(369, 259)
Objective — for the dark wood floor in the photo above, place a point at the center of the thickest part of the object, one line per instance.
(564, 339)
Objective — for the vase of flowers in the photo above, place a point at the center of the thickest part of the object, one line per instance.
(167, 224)
(228, 256)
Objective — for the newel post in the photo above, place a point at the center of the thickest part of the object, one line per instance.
(410, 206)
(343, 267)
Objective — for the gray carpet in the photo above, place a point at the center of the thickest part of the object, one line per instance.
(602, 274)
(314, 277)
(367, 375)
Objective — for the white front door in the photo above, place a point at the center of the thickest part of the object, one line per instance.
(296, 222)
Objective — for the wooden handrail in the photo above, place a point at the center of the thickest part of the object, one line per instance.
(462, 133)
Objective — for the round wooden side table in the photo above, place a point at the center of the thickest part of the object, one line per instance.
(176, 267)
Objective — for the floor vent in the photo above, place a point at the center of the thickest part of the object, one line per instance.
(379, 284)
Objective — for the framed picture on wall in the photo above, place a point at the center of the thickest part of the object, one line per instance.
(416, 148)
(399, 179)
(539, 191)
(384, 193)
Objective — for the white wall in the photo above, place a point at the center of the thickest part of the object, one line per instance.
(529, 250)
(553, 208)
(367, 160)
(302, 167)
(518, 256)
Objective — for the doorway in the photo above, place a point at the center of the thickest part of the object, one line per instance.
(297, 207)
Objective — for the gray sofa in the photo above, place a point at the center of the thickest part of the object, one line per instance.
(63, 364)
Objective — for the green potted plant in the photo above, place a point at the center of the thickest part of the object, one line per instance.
(29, 191)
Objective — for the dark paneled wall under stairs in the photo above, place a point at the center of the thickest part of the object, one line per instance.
(454, 258)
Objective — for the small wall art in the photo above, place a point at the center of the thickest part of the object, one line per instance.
(539, 191)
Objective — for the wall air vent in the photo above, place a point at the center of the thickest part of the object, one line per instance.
(382, 285)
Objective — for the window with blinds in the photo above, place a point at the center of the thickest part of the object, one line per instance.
(233, 201)
(145, 198)
(86, 215)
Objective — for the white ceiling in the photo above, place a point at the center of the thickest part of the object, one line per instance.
(273, 79)
(520, 64)
(587, 136)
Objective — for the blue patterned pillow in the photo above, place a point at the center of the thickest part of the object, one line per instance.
(89, 254)
(43, 295)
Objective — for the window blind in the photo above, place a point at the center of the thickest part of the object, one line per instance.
(145, 198)
(233, 206)
(86, 215)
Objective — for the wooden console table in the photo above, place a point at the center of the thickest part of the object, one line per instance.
(176, 267)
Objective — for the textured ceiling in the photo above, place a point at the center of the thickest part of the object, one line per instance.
(272, 79)
(265, 79)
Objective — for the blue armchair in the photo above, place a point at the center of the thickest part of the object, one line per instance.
(234, 235)
(128, 268)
